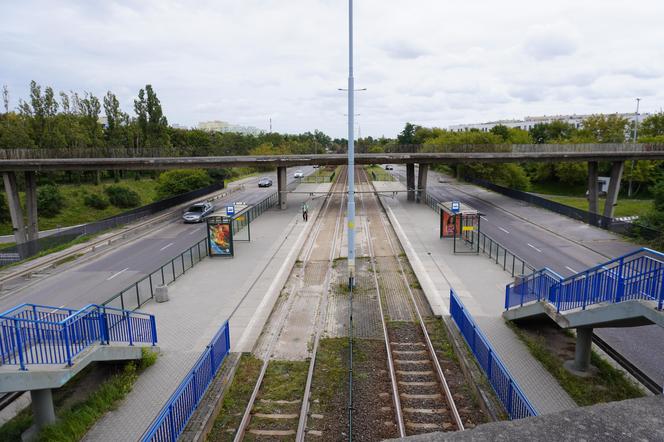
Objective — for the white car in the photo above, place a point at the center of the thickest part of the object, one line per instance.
(298, 174)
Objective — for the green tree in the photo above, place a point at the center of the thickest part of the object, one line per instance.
(175, 182)
(502, 131)
(151, 120)
(15, 132)
(407, 135)
(555, 131)
(606, 128)
(652, 126)
(571, 173)
(116, 121)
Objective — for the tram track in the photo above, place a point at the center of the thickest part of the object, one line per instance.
(316, 270)
(421, 397)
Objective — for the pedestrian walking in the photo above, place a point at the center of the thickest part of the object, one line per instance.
(305, 212)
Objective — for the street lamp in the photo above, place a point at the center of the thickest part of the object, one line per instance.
(636, 129)
(351, 152)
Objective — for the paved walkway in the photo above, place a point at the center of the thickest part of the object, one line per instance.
(480, 285)
(243, 289)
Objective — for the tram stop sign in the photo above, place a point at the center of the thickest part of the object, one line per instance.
(455, 206)
(230, 210)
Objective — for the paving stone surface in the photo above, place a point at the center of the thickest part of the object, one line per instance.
(243, 289)
(480, 284)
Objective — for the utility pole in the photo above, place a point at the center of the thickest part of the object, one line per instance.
(351, 151)
(270, 124)
(636, 129)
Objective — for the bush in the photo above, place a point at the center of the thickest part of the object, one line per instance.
(4, 210)
(175, 182)
(95, 201)
(49, 200)
(122, 197)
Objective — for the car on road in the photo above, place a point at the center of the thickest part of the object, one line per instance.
(389, 167)
(316, 166)
(298, 174)
(196, 213)
(265, 182)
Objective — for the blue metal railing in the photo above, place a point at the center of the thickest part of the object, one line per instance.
(39, 334)
(515, 402)
(639, 275)
(173, 418)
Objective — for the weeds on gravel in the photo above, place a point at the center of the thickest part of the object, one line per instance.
(607, 385)
(236, 398)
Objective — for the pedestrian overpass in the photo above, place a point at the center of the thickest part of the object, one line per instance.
(627, 291)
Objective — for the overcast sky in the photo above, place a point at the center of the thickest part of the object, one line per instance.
(431, 62)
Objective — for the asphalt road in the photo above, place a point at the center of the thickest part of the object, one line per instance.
(97, 280)
(547, 239)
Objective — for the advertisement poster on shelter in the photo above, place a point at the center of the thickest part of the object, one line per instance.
(447, 225)
(221, 241)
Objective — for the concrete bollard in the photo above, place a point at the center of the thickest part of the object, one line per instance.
(161, 293)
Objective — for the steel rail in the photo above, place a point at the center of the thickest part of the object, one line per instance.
(304, 410)
(246, 417)
(390, 362)
(432, 352)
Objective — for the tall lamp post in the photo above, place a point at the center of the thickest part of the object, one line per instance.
(351, 151)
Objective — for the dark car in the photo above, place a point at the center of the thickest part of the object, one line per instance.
(197, 212)
(264, 182)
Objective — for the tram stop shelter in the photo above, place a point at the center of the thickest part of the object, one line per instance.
(226, 226)
(460, 222)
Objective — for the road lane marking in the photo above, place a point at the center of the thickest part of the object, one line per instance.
(571, 269)
(506, 231)
(530, 245)
(194, 231)
(166, 246)
(113, 276)
(484, 218)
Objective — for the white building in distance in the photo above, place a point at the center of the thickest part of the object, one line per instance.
(528, 122)
(223, 126)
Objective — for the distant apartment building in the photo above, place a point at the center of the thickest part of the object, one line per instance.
(223, 126)
(528, 122)
(179, 126)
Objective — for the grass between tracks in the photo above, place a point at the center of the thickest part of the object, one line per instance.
(377, 173)
(552, 346)
(76, 410)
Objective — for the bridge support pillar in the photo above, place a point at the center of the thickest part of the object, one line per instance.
(410, 181)
(31, 205)
(15, 211)
(584, 341)
(43, 412)
(593, 193)
(617, 169)
(422, 181)
(282, 186)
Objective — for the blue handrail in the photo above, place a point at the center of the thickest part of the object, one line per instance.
(173, 417)
(508, 391)
(27, 337)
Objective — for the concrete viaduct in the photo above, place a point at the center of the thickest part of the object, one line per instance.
(616, 154)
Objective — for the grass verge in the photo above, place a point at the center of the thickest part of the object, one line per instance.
(75, 419)
(235, 399)
(552, 347)
(625, 207)
(377, 173)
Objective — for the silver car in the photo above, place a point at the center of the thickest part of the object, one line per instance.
(197, 212)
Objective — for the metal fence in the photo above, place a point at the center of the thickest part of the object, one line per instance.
(503, 257)
(515, 402)
(38, 334)
(636, 276)
(143, 290)
(174, 416)
(31, 248)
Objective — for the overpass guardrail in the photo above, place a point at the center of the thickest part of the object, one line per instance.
(508, 391)
(638, 275)
(173, 417)
(38, 334)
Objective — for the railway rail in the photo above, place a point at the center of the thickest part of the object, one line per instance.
(327, 211)
(422, 398)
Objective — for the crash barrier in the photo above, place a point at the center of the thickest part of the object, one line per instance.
(638, 275)
(594, 219)
(177, 411)
(515, 402)
(144, 289)
(39, 334)
(26, 250)
(509, 261)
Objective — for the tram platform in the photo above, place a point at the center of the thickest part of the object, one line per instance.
(243, 288)
(480, 285)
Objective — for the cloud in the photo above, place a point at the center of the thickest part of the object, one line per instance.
(404, 50)
(549, 45)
